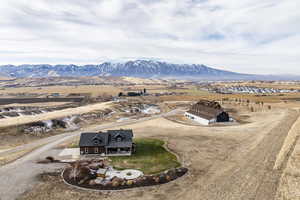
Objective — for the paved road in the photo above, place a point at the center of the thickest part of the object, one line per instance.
(19, 176)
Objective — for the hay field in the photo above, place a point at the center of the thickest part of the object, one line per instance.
(52, 115)
(194, 95)
(95, 90)
(136, 80)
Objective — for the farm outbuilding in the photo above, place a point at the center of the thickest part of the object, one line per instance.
(207, 112)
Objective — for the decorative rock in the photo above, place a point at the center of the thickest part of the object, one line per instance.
(129, 182)
(168, 178)
(94, 166)
(84, 163)
(92, 182)
(115, 183)
(117, 179)
(98, 180)
(156, 179)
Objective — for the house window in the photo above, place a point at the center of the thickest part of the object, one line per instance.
(86, 150)
(97, 141)
(96, 149)
(119, 139)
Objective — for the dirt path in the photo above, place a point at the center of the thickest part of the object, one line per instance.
(225, 163)
(19, 176)
(253, 177)
(232, 163)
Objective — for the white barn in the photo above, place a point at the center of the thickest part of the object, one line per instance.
(207, 112)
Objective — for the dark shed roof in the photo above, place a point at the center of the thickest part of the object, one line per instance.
(206, 109)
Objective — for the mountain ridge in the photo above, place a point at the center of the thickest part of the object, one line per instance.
(136, 68)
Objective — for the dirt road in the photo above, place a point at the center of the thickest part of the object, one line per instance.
(225, 163)
(253, 176)
(19, 176)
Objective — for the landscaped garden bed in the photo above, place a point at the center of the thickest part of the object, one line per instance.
(151, 165)
(119, 183)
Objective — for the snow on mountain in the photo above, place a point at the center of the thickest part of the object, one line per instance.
(137, 68)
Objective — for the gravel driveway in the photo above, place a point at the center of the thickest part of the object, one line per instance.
(19, 176)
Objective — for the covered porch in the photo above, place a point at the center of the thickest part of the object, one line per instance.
(118, 151)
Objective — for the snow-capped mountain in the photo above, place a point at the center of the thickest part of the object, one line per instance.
(137, 68)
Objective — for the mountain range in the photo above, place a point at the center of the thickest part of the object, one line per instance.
(137, 68)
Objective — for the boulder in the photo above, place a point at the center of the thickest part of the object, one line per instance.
(92, 182)
(129, 182)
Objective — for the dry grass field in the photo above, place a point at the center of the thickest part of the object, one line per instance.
(94, 90)
(232, 97)
(225, 162)
(52, 115)
(41, 105)
(234, 162)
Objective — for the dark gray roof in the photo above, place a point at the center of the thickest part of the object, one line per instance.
(93, 139)
(206, 109)
(120, 144)
(122, 132)
(108, 139)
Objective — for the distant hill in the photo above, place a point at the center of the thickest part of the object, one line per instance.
(137, 68)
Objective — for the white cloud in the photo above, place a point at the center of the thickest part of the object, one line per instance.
(253, 36)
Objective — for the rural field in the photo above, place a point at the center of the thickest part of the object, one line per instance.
(55, 114)
(63, 90)
(149, 100)
(232, 162)
(246, 159)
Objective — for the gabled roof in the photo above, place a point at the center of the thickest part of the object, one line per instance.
(108, 139)
(126, 138)
(88, 139)
(124, 133)
(206, 109)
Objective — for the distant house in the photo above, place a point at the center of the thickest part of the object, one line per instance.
(134, 94)
(111, 142)
(207, 112)
(55, 94)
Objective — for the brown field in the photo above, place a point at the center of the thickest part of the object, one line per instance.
(232, 97)
(52, 115)
(290, 179)
(234, 162)
(231, 162)
(41, 105)
(94, 90)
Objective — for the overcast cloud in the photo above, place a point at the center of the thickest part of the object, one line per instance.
(252, 36)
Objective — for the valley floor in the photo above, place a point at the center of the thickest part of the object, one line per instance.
(233, 162)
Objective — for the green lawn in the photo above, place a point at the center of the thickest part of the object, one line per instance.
(150, 157)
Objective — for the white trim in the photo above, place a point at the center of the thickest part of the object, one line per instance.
(199, 119)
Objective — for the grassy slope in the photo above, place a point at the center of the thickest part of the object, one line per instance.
(150, 157)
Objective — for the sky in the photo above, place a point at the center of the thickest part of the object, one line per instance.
(249, 36)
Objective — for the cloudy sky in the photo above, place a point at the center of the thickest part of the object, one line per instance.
(252, 36)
